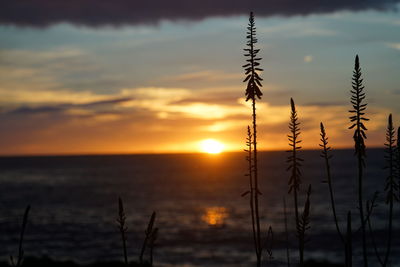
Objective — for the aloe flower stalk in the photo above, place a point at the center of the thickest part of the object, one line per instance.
(391, 186)
(294, 165)
(253, 93)
(358, 118)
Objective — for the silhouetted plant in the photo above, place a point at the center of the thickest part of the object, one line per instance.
(122, 228)
(286, 233)
(391, 188)
(357, 98)
(398, 158)
(249, 160)
(269, 243)
(294, 165)
(349, 242)
(304, 223)
(21, 240)
(326, 156)
(253, 92)
(148, 234)
(370, 206)
(152, 243)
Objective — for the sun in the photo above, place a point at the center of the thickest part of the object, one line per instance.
(211, 146)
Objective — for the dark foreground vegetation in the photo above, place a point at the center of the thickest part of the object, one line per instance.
(47, 262)
(366, 205)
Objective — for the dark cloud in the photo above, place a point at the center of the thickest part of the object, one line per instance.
(396, 91)
(106, 102)
(60, 108)
(327, 104)
(42, 13)
(229, 101)
(37, 110)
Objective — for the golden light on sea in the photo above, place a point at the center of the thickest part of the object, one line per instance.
(215, 216)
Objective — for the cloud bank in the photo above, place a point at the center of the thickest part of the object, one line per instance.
(96, 13)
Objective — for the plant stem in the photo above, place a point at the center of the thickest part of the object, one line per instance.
(250, 174)
(122, 228)
(286, 233)
(148, 233)
(256, 193)
(21, 238)
(361, 209)
(349, 242)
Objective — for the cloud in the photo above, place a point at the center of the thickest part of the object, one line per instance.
(36, 110)
(204, 76)
(308, 58)
(38, 70)
(290, 29)
(394, 45)
(162, 102)
(102, 107)
(327, 104)
(94, 13)
(26, 96)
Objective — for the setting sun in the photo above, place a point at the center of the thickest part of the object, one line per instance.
(211, 146)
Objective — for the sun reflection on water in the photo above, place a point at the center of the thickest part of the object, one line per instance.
(215, 216)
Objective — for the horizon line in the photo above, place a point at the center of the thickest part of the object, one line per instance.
(87, 154)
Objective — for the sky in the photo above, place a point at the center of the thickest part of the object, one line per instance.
(90, 77)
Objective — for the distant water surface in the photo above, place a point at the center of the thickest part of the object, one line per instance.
(202, 219)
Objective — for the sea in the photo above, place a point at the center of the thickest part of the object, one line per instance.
(201, 217)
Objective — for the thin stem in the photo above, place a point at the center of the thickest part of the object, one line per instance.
(122, 228)
(326, 156)
(153, 239)
(256, 193)
(371, 232)
(148, 233)
(286, 233)
(249, 144)
(21, 238)
(349, 242)
(361, 209)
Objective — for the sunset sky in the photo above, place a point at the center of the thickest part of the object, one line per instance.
(161, 76)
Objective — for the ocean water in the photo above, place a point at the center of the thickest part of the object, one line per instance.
(201, 216)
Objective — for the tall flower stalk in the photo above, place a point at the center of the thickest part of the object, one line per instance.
(344, 237)
(294, 165)
(253, 93)
(326, 156)
(357, 119)
(391, 186)
(398, 158)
